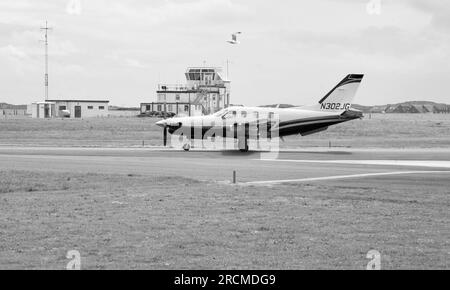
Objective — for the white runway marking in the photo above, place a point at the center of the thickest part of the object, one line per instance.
(416, 163)
(341, 177)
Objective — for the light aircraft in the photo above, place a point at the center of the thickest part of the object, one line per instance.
(245, 123)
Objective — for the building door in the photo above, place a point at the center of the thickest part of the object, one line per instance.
(77, 111)
(46, 111)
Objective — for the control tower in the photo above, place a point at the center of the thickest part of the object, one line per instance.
(205, 92)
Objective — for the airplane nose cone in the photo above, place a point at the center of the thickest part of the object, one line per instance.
(162, 123)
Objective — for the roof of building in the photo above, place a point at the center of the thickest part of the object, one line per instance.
(79, 101)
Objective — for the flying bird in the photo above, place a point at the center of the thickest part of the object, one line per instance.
(234, 38)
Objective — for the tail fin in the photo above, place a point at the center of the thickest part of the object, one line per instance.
(340, 98)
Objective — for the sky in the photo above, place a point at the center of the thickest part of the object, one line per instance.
(291, 51)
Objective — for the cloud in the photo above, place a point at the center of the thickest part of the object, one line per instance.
(14, 52)
(386, 40)
(74, 7)
(120, 48)
(438, 9)
(121, 59)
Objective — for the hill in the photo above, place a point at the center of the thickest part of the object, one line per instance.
(412, 107)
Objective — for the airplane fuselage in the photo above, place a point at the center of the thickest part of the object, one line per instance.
(291, 121)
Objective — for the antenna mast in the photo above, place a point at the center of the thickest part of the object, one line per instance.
(46, 29)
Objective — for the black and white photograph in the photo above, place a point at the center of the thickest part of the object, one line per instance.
(242, 137)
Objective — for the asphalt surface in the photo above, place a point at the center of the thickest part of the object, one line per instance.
(309, 165)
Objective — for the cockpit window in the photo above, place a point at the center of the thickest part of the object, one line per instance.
(230, 115)
(221, 113)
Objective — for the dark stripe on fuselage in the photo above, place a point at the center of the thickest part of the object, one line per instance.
(293, 127)
(310, 124)
(312, 119)
(301, 128)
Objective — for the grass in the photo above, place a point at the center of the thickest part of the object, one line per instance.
(380, 131)
(135, 222)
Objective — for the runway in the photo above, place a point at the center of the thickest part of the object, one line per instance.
(309, 208)
(309, 165)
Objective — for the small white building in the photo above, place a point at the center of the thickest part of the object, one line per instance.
(42, 110)
(70, 108)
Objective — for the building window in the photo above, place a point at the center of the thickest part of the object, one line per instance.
(90, 107)
(148, 108)
(159, 109)
(62, 108)
(177, 97)
(101, 107)
(244, 114)
(170, 109)
(186, 108)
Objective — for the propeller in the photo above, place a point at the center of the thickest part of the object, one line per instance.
(165, 129)
(163, 124)
(165, 136)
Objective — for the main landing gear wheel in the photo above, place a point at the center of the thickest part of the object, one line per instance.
(243, 145)
(187, 147)
(244, 150)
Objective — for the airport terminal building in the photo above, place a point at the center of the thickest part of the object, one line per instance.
(70, 109)
(206, 91)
